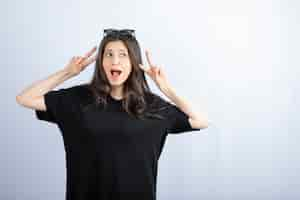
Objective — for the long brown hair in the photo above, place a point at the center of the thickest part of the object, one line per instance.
(138, 100)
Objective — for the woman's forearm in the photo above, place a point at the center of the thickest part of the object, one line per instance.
(33, 95)
(41, 87)
(197, 120)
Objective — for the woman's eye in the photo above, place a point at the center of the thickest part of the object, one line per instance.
(110, 54)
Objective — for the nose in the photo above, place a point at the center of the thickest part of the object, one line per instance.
(115, 60)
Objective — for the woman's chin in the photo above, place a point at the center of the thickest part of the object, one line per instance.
(116, 83)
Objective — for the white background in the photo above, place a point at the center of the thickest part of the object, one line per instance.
(235, 59)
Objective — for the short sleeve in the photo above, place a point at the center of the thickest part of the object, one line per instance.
(177, 121)
(59, 105)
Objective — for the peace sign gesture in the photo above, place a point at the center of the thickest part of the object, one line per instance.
(79, 63)
(156, 73)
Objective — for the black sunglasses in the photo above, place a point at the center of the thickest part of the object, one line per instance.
(119, 32)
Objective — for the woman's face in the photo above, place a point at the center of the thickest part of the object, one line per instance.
(116, 62)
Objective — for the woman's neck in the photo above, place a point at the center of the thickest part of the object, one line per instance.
(117, 92)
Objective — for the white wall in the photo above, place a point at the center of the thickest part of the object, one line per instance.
(235, 59)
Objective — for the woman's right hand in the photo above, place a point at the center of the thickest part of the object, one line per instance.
(79, 63)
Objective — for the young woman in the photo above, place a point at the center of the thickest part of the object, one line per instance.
(114, 128)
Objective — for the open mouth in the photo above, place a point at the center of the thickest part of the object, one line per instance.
(115, 72)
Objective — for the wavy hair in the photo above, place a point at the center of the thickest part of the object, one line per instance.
(138, 100)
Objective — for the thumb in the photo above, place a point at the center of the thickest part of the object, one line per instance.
(144, 68)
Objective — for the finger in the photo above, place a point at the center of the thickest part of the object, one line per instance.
(160, 71)
(154, 69)
(89, 53)
(78, 59)
(148, 56)
(89, 61)
(144, 68)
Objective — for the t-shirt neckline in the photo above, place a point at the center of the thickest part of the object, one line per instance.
(114, 99)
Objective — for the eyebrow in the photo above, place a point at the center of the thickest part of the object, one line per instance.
(119, 50)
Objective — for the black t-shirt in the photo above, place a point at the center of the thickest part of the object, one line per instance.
(110, 155)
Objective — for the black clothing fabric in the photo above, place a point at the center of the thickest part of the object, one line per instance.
(110, 155)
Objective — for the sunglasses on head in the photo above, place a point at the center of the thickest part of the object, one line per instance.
(119, 32)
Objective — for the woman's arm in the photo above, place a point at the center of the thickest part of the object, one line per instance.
(158, 76)
(196, 120)
(33, 96)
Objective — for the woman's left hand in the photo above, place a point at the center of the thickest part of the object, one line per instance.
(156, 73)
